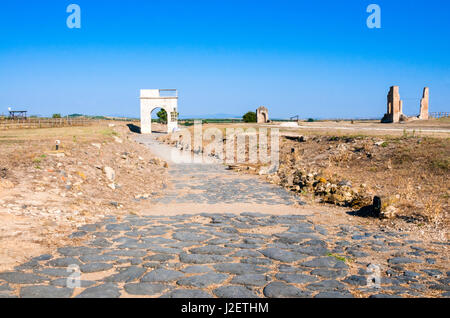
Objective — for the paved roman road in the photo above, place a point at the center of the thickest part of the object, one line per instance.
(214, 233)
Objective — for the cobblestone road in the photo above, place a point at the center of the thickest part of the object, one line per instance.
(249, 254)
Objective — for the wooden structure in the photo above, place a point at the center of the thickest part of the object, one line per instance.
(33, 123)
(18, 114)
(439, 114)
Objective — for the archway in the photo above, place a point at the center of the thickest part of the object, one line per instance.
(159, 120)
(264, 115)
(152, 99)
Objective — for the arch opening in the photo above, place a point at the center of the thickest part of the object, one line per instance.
(159, 119)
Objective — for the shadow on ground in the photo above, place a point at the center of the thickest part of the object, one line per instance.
(134, 128)
(366, 211)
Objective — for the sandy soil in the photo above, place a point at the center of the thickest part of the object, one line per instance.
(46, 194)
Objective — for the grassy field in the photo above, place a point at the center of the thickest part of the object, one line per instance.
(85, 133)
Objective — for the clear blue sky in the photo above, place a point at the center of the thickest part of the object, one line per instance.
(311, 58)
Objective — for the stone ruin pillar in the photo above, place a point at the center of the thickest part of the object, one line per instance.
(394, 106)
(262, 115)
(424, 104)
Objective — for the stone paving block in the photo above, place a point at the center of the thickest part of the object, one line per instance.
(107, 290)
(256, 261)
(162, 275)
(126, 275)
(234, 292)
(329, 273)
(202, 281)
(282, 255)
(22, 278)
(326, 285)
(147, 289)
(159, 257)
(98, 258)
(202, 259)
(250, 280)
(325, 262)
(54, 272)
(63, 282)
(283, 290)
(190, 237)
(356, 280)
(403, 260)
(45, 292)
(334, 294)
(7, 294)
(240, 269)
(296, 278)
(130, 253)
(77, 251)
(187, 293)
(196, 269)
(64, 262)
(211, 249)
(95, 267)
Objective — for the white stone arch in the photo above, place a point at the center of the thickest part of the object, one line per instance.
(166, 99)
(160, 107)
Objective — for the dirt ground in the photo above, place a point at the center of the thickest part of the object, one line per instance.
(432, 128)
(46, 194)
(348, 164)
(100, 170)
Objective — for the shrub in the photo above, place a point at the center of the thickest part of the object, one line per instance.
(250, 117)
(162, 116)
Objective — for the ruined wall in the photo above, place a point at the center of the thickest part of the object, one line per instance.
(424, 104)
(262, 115)
(394, 106)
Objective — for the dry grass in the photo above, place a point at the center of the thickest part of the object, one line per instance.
(406, 167)
(415, 170)
(46, 194)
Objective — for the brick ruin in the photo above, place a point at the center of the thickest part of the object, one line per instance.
(424, 104)
(262, 115)
(395, 107)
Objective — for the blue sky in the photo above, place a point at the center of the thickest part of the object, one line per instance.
(311, 58)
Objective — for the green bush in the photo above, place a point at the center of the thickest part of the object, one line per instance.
(162, 116)
(56, 116)
(250, 117)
